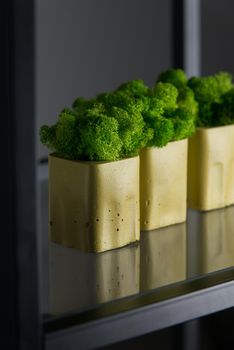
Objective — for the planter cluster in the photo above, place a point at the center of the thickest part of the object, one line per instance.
(120, 159)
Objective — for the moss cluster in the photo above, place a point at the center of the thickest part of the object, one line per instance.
(118, 124)
(209, 98)
(210, 92)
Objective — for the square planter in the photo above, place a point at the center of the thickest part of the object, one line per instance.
(79, 280)
(163, 257)
(94, 206)
(163, 185)
(211, 168)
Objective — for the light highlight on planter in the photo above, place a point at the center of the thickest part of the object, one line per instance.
(94, 206)
(211, 168)
(163, 183)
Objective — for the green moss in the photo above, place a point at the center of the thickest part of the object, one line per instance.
(184, 125)
(62, 137)
(223, 112)
(208, 91)
(80, 105)
(134, 88)
(99, 138)
(131, 131)
(163, 131)
(47, 136)
(167, 94)
(186, 101)
(176, 77)
(116, 125)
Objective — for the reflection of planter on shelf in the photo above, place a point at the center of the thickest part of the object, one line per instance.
(79, 279)
(217, 239)
(163, 178)
(163, 257)
(211, 168)
(94, 206)
(211, 240)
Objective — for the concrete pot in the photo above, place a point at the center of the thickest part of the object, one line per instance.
(94, 206)
(163, 185)
(211, 168)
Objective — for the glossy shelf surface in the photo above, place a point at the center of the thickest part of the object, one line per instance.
(80, 281)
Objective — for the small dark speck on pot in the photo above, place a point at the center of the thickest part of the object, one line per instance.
(51, 223)
(117, 229)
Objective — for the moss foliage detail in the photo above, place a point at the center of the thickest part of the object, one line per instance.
(210, 93)
(116, 125)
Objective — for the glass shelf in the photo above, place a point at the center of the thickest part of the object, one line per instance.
(168, 264)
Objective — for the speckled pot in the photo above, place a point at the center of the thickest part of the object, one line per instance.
(94, 206)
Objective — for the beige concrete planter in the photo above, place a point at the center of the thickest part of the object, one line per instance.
(163, 185)
(211, 168)
(79, 280)
(94, 206)
(163, 257)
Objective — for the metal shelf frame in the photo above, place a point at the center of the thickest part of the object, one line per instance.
(110, 322)
(141, 314)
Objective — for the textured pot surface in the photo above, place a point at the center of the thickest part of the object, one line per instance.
(163, 185)
(163, 253)
(94, 206)
(211, 168)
